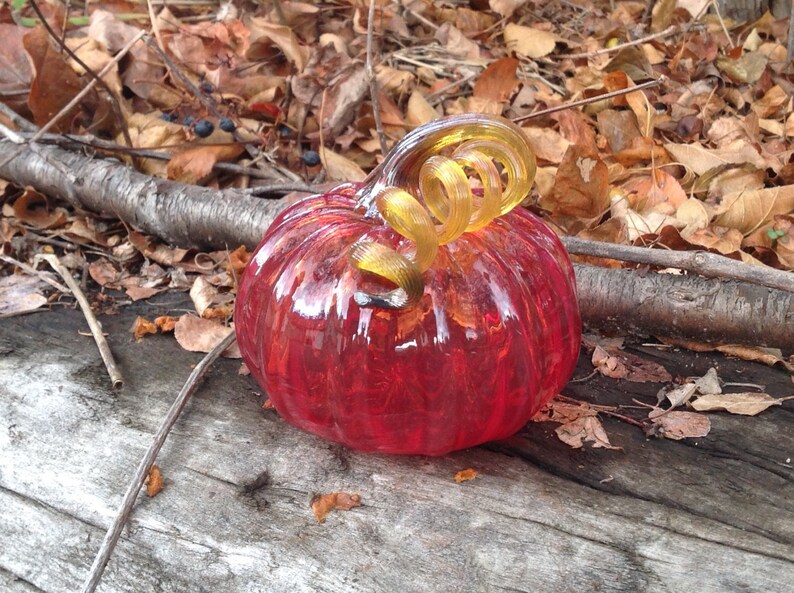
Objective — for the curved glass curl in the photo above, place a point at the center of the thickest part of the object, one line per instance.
(424, 194)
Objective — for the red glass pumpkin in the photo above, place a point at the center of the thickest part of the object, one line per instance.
(493, 336)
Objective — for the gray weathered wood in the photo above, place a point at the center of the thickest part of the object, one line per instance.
(711, 515)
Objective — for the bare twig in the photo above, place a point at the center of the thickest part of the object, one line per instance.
(645, 85)
(608, 50)
(700, 262)
(96, 327)
(790, 41)
(43, 276)
(373, 81)
(716, 7)
(17, 119)
(155, 25)
(123, 513)
(11, 135)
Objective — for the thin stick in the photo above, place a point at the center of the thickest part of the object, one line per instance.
(608, 50)
(373, 82)
(790, 42)
(715, 4)
(93, 324)
(17, 119)
(700, 262)
(155, 25)
(12, 136)
(43, 276)
(123, 513)
(79, 97)
(645, 85)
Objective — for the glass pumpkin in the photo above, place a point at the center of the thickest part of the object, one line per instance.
(491, 335)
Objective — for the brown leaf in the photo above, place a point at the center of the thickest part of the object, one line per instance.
(682, 425)
(15, 71)
(203, 294)
(506, 8)
(772, 103)
(265, 33)
(465, 475)
(54, 84)
(194, 165)
(582, 185)
(202, 335)
(34, 209)
(584, 430)
(154, 481)
(637, 101)
(104, 273)
(607, 365)
(748, 68)
(165, 323)
(419, 111)
(700, 159)
(747, 210)
(20, 294)
(141, 327)
(528, 41)
(498, 80)
(322, 504)
(339, 167)
(547, 144)
(563, 412)
(745, 404)
(617, 364)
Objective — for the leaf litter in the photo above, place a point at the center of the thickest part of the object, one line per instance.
(702, 161)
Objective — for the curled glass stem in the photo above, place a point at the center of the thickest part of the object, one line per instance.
(423, 191)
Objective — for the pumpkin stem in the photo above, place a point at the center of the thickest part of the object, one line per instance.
(417, 166)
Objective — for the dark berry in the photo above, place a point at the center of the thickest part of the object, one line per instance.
(311, 158)
(188, 120)
(170, 117)
(203, 128)
(206, 87)
(284, 130)
(227, 125)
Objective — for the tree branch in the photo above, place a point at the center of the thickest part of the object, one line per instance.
(620, 300)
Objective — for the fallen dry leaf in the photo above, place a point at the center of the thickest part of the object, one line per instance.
(154, 481)
(506, 8)
(34, 209)
(528, 41)
(20, 294)
(747, 210)
(581, 187)
(339, 167)
(745, 404)
(613, 362)
(322, 504)
(194, 165)
(202, 335)
(682, 425)
(141, 327)
(498, 81)
(419, 111)
(587, 429)
(165, 323)
(465, 475)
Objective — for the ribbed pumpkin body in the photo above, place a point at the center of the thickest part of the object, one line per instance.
(494, 337)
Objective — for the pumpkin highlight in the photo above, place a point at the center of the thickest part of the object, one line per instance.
(391, 333)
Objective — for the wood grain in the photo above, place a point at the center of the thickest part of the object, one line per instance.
(711, 515)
